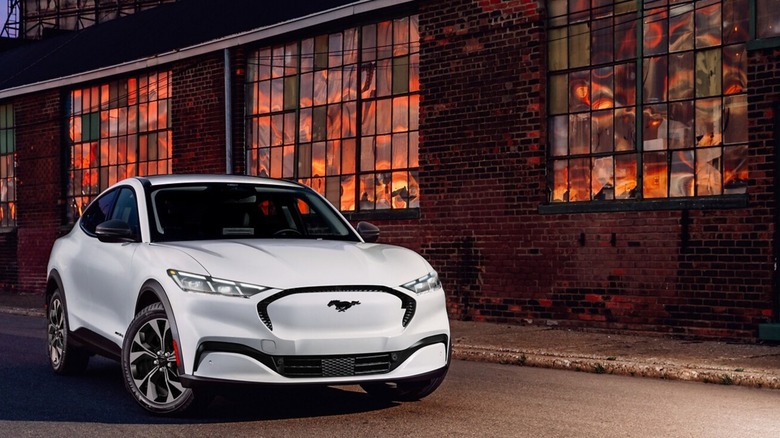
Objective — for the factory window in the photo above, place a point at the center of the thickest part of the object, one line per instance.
(7, 167)
(118, 130)
(339, 112)
(647, 99)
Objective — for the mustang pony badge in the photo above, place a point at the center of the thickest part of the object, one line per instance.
(342, 306)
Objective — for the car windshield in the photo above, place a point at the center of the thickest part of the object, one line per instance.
(210, 211)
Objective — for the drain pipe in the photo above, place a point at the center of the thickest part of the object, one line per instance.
(228, 117)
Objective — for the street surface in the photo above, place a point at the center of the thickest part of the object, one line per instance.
(477, 399)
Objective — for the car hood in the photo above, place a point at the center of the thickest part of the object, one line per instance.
(288, 263)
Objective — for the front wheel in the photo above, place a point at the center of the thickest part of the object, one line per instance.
(149, 365)
(64, 357)
(403, 391)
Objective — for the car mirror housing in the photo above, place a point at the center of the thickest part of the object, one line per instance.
(114, 231)
(368, 231)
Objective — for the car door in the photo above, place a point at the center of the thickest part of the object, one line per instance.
(107, 271)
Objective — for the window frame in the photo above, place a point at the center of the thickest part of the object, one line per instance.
(116, 129)
(8, 154)
(640, 203)
(348, 205)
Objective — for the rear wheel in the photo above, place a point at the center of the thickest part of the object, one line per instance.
(149, 365)
(64, 357)
(403, 391)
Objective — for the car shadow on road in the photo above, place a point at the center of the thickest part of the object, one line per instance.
(31, 392)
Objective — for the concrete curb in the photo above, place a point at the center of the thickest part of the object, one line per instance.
(22, 311)
(609, 365)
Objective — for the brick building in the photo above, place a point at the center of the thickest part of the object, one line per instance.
(598, 164)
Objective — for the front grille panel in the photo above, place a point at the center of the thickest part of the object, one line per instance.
(329, 366)
(407, 303)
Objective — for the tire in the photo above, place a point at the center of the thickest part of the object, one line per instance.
(403, 391)
(149, 366)
(64, 357)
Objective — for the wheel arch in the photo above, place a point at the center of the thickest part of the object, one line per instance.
(152, 292)
(53, 283)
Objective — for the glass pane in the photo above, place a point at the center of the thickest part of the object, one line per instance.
(735, 21)
(708, 174)
(383, 152)
(290, 92)
(625, 129)
(708, 25)
(735, 169)
(708, 73)
(579, 91)
(681, 28)
(602, 88)
(655, 79)
(602, 44)
(625, 176)
(708, 122)
(625, 85)
(681, 175)
(681, 125)
(655, 32)
(735, 119)
(625, 35)
(401, 75)
(383, 190)
(768, 18)
(579, 184)
(655, 132)
(558, 55)
(681, 76)
(579, 133)
(559, 87)
(654, 170)
(559, 128)
(560, 191)
(603, 184)
(602, 133)
(734, 69)
(579, 45)
(367, 146)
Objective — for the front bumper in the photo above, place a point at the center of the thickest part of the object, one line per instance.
(224, 363)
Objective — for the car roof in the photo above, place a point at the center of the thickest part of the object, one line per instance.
(158, 180)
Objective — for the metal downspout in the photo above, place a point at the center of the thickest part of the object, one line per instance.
(228, 116)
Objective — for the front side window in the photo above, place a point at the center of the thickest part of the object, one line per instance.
(648, 99)
(7, 167)
(339, 113)
(118, 130)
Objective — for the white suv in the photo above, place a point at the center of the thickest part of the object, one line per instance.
(195, 281)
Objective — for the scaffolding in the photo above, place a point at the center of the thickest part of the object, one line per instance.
(35, 19)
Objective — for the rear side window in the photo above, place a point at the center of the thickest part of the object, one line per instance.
(97, 212)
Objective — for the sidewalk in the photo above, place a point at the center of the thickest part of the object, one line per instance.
(750, 365)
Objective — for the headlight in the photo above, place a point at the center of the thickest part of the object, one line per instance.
(208, 285)
(424, 284)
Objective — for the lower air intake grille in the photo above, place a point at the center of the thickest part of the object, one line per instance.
(342, 366)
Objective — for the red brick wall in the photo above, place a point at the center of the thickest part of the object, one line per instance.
(198, 115)
(8, 268)
(40, 184)
(698, 272)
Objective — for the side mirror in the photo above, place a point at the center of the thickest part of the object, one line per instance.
(368, 231)
(114, 231)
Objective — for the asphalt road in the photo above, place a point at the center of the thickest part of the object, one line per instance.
(477, 399)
